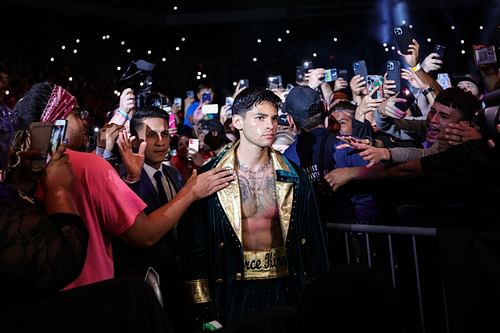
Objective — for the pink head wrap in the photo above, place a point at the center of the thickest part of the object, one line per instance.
(59, 105)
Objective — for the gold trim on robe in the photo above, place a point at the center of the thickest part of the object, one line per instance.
(230, 197)
(196, 291)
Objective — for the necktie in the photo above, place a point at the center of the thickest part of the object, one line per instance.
(159, 185)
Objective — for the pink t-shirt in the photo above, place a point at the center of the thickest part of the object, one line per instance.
(107, 206)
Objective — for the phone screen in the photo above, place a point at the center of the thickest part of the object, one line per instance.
(206, 97)
(194, 144)
(40, 140)
(373, 82)
(331, 75)
(57, 136)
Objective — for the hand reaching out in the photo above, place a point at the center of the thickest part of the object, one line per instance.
(209, 182)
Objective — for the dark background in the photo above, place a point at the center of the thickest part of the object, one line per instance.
(221, 40)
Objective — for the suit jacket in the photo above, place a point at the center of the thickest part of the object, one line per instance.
(163, 255)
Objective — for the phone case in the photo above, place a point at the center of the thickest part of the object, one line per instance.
(373, 82)
(359, 68)
(404, 37)
(393, 68)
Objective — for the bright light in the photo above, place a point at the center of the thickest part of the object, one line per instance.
(199, 73)
(63, 47)
(141, 83)
(122, 42)
(103, 37)
(96, 129)
(198, 77)
(403, 22)
(204, 76)
(75, 51)
(6, 92)
(452, 27)
(462, 41)
(149, 51)
(429, 40)
(279, 39)
(410, 26)
(384, 45)
(177, 48)
(259, 40)
(393, 47)
(287, 31)
(235, 83)
(386, 49)
(183, 39)
(463, 51)
(254, 59)
(77, 40)
(116, 92)
(335, 39)
(481, 27)
(52, 59)
(315, 54)
(118, 68)
(129, 50)
(108, 36)
(163, 59)
(70, 79)
(175, 7)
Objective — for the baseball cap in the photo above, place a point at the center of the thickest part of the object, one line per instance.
(299, 102)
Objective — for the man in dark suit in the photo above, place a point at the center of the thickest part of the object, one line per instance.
(156, 183)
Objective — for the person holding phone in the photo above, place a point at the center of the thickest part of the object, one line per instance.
(106, 203)
(44, 243)
(205, 95)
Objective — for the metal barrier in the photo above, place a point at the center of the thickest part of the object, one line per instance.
(354, 230)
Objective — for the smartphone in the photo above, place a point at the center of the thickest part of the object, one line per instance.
(404, 37)
(274, 82)
(409, 99)
(40, 140)
(210, 109)
(343, 74)
(373, 82)
(244, 83)
(484, 55)
(194, 144)
(331, 75)
(172, 126)
(178, 101)
(229, 102)
(190, 93)
(444, 80)
(307, 65)
(153, 279)
(299, 74)
(439, 49)
(206, 97)
(393, 70)
(57, 136)
(359, 68)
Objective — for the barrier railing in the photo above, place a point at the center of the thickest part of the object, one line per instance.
(352, 231)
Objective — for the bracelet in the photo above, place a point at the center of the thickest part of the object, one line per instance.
(416, 68)
(427, 91)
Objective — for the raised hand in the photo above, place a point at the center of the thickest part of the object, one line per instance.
(432, 62)
(133, 162)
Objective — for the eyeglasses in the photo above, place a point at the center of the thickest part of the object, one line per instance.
(82, 113)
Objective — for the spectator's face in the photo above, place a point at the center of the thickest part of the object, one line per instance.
(76, 131)
(469, 87)
(258, 126)
(438, 118)
(155, 133)
(344, 119)
(182, 145)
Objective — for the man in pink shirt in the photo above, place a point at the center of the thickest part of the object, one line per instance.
(106, 204)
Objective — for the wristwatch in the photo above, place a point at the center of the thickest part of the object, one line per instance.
(426, 91)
